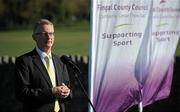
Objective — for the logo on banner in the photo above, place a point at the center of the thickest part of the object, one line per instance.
(162, 24)
(122, 25)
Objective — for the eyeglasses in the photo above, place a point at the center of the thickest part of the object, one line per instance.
(44, 34)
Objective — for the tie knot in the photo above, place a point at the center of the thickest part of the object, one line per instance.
(47, 57)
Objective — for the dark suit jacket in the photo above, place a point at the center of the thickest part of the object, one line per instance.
(33, 85)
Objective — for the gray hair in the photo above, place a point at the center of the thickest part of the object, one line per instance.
(41, 22)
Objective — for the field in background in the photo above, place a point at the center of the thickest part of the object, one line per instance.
(69, 40)
(178, 49)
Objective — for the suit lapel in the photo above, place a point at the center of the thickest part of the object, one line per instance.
(38, 63)
(58, 69)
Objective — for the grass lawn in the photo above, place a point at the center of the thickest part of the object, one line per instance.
(178, 49)
(69, 40)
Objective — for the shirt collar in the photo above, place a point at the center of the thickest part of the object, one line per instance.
(42, 54)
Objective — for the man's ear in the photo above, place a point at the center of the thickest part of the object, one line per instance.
(33, 36)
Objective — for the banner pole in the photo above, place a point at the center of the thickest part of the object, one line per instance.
(140, 107)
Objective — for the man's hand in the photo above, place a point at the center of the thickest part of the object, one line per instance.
(61, 91)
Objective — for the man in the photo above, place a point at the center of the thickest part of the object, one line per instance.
(42, 79)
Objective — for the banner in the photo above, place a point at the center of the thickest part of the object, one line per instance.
(133, 43)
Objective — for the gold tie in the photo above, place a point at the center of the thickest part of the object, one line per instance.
(53, 80)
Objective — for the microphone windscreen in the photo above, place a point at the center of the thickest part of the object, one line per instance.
(65, 59)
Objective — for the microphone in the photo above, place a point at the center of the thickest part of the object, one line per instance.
(66, 60)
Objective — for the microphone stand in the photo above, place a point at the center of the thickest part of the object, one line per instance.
(81, 86)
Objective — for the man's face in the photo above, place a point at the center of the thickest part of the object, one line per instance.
(44, 37)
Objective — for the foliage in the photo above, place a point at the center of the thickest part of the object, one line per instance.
(18, 13)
